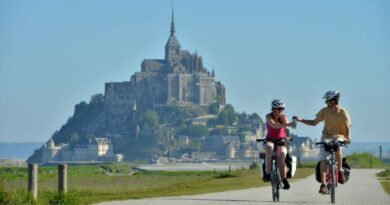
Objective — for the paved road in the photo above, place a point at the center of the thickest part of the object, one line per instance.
(363, 188)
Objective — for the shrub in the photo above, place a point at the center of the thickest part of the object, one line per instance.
(254, 166)
(5, 197)
(364, 160)
(63, 199)
(227, 175)
(385, 173)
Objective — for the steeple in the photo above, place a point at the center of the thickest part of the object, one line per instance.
(172, 24)
(172, 48)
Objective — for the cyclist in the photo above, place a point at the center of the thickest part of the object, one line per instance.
(277, 123)
(336, 127)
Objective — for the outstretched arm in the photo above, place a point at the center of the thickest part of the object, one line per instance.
(272, 123)
(308, 122)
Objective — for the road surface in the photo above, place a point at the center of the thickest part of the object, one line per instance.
(363, 188)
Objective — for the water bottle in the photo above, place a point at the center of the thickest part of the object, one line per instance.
(294, 123)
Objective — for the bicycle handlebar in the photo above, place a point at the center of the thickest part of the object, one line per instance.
(341, 143)
(265, 139)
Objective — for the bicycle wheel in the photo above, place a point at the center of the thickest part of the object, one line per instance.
(275, 181)
(333, 185)
(278, 181)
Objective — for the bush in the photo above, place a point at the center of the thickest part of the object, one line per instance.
(5, 197)
(385, 173)
(226, 175)
(63, 199)
(364, 160)
(254, 166)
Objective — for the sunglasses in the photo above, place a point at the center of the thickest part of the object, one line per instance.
(280, 109)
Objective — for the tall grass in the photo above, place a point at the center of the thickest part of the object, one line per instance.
(384, 178)
(364, 160)
(94, 183)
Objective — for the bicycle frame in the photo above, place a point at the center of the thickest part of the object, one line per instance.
(332, 162)
(275, 176)
(332, 147)
(275, 173)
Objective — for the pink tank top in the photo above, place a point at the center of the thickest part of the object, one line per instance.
(276, 133)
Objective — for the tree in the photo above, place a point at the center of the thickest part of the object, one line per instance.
(149, 119)
(197, 130)
(97, 98)
(214, 109)
(227, 116)
(243, 118)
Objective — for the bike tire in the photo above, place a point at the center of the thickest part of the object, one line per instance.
(278, 182)
(274, 182)
(333, 185)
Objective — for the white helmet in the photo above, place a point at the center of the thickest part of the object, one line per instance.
(278, 104)
(331, 94)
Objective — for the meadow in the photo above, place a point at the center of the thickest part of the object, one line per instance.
(96, 183)
(89, 184)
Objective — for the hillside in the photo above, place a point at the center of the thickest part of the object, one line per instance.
(153, 133)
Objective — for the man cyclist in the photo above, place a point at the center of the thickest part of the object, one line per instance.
(336, 127)
(277, 123)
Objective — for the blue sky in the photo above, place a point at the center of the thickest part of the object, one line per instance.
(54, 54)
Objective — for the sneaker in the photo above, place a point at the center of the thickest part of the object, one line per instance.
(286, 185)
(342, 178)
(323, 189)
(267, 178)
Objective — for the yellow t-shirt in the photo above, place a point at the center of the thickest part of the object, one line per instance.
(335, 123)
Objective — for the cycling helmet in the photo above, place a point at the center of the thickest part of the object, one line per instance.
(278, 104)
(331, 94)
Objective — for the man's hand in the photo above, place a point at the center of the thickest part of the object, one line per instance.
(297, 118)
(347, 140)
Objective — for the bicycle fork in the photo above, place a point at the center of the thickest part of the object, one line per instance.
(333, 166)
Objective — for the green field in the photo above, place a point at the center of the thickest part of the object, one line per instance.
(96, 183)
(384, 178)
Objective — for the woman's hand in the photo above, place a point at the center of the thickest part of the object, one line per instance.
(297, 118)
(291, 124)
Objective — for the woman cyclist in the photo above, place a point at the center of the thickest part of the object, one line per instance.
(277, 123)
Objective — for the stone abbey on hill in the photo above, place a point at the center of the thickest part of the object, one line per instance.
(180, 78)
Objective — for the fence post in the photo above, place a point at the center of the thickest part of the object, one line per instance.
(371, 161)
(62, 178)
(299, 157)
(253, 158)
(33, 181)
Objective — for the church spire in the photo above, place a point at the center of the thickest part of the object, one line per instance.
(172, 48)
(172, 23)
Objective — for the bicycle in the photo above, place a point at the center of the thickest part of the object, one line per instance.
(332, 147)
(275, 173)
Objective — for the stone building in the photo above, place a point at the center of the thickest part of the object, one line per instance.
(180, 78)
(223, 146)
(98, 149)
(50, 150)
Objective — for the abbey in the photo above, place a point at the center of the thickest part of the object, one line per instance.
(180, 78)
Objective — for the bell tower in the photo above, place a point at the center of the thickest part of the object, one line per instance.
(172, 48)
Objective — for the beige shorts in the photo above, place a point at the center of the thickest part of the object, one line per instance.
(324, 154)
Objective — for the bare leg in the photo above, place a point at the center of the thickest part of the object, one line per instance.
(269, 147)
(339, 156)
(323, 170)
(281, 153)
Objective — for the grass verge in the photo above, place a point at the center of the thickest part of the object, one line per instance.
(384, 179)
(91, 184)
